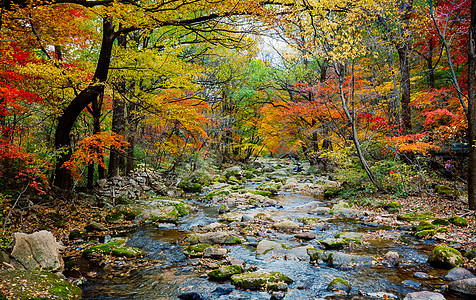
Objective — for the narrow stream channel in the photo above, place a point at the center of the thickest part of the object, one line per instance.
(172, 273)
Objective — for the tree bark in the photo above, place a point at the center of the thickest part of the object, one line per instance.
(472, 108)
(63, 178)
(403, 50)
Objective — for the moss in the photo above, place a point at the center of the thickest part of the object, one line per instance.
(425, 225)
(77, 234)
(392, 206)
(309, 220)
(445, 257)
(415, 216)
(34, 282)
(233, 240)
(337, 281)
(425, 233)
(182, 208)
(115, 247)
(458, 221)
(445, 190)
(224, 273)
(248, 174)
(114, 217)
(255, 281)
(190, 187)
(331, 192)
(470, 254)
(196, 250)
(262, 193)
(440, 221)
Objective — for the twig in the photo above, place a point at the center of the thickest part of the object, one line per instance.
(14, 204)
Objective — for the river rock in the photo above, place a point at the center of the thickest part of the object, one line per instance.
(196, 250)
(256, 281)
(391, 259)
(343, 208)
(38, 250)
(192, 296)
(412, 284)
(115, 247)
(320, 211)
(339, 284)
(465, 286)
(333, 243)
(424, 295)
(95, 226)
(445, 257)
(270, 186)
(286, 225)
(218, 237)
(213, 252)
(339, 260)
(224, 273)
(264, 246)
(458, 274)
(305, 235)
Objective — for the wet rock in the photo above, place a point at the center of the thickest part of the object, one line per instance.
(256, 281)
(192, 296)
(286, 225)
(465, 286)
(37, 251)
(224, 273)
(29, 284)
(235, 261)
(412, 284)
(424, 295)
(213, 252)
(277, 296)
(264, 246)
(339, 260)
(391, 259)
(223, 290)
(333, 243)
(422, 275)
(445, 257)
(218, 237)
(196, 250)
(355, 237)
(339, 284)
(95, 226)
(277, 286)
(305, 235)
(458, 274)
(246, 218)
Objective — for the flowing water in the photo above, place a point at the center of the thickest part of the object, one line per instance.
(171, 273)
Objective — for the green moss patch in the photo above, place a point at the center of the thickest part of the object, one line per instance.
(37, 285)
(256, 281)
(224, 273)
(440, 221)
(458, 221)
(425, 225)
(116, 247)
(415, 216)
(196, 250)
(445, 257)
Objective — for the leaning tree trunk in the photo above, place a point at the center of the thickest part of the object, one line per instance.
(63, 178)
(472, 108)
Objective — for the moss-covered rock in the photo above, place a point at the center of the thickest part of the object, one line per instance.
(392, 206)
(440, 222)
(331, 192)
(339, 260)
(470, 254)
(333, 243)
(196, 250)
(190, 187)
(233, 181)
(272, 187)
(37, 285)
(262, 193)
(224, 273)
(425, 225)
(116, 247)
(339, 284)
(77, 234)
(415, 216)
(256, 281)
(425, 233)
(458, 221)
(354, 237)
(445, 257)
(444, 190)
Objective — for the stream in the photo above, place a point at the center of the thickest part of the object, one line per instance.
(171, 273)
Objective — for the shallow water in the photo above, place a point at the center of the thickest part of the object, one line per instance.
(172, 273)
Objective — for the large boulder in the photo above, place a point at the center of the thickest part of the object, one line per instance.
(37, 251)
(265, 246)
(465, 286)
(195, 181)
(286, 225)
(445, 257)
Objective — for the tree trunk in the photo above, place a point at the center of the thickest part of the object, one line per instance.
(66, 121)
(403, 50)
(472, 108)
